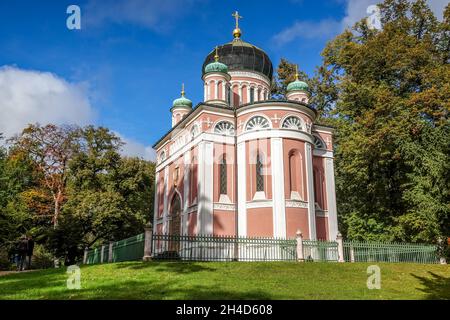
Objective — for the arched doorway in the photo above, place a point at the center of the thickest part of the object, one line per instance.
(175, 216)
(175, 222)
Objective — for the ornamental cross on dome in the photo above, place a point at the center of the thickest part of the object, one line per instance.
(237, 17)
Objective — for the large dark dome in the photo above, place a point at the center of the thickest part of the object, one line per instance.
(240, 55)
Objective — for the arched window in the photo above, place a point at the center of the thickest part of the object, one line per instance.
(225, 128)
(223, 175)
(259, 173)
(162, 156)
(228, 95)
(318, 142)
(257, 123)
(319, 191)
(293, 122)
(252, 95)
(295, 176)
(194, 131)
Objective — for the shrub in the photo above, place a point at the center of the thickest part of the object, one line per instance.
(42, 259)
(5, 264)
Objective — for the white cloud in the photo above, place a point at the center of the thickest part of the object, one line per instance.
(28, 96)
(132, 148)
(308, 30)
(355, 11)
(152, 14)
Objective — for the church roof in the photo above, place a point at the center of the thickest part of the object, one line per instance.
(242, 56)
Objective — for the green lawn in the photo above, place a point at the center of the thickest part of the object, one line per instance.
(236, 280)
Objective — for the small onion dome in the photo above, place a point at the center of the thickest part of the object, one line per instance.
(182, 101)
(216, 66)
(297, 85)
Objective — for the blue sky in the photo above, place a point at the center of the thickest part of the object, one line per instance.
(125, 66)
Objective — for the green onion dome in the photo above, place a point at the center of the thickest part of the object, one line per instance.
(182, 101)
(297, 85)
(216, 66)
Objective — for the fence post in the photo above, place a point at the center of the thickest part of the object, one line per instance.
(86, 250)
(110, 252)
(441, 247)
(102, 253)
(352, 254)
(340, 243)
(300, 257)
(148, 232)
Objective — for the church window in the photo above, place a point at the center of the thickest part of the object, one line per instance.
(225, 128)
(293, 123)
(257, 123)
(223, 175)
(259, 173)
(252, 95)
(318, 142)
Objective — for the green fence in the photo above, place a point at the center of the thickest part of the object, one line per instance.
(228, 248)
(389, 252)
(222, 248)
(318, 250)
(124, 250)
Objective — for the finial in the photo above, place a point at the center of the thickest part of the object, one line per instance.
(182, 89)
(216, 57)
(296, 72)
(237, 32)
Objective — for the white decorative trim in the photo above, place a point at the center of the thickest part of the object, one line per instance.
(323, 153)
(184, 219)
(249, 75)
(224, 199)
(296, 204)
(295, 195)
(274, 133)
(331, 198)
(272, 106)
(310, 190)
(156, 201)
(224, 206)
(259, 196)
(279, 208)
(192, 209)
(205, 205)
(259, 204)
(166, 195)
(242, 191)
(322, 213)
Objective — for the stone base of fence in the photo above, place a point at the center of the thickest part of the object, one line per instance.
(148, 233)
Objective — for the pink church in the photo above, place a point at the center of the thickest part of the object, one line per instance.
(242, 164)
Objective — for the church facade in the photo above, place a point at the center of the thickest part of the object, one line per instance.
(242, 164)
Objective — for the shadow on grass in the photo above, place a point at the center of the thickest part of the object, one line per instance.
(168, 266)
(51, 284)
(436, 287)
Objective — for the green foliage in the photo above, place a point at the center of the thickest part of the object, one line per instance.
(83, 182)
(42, 258)
(389, 102)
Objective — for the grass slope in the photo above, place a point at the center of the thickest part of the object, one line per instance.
(284, 280)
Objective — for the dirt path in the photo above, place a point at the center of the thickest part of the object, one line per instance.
(4, 273)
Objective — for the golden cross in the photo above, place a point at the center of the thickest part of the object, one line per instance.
(182, 89)
(216, 57)
(296, 72)
(237, 17)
